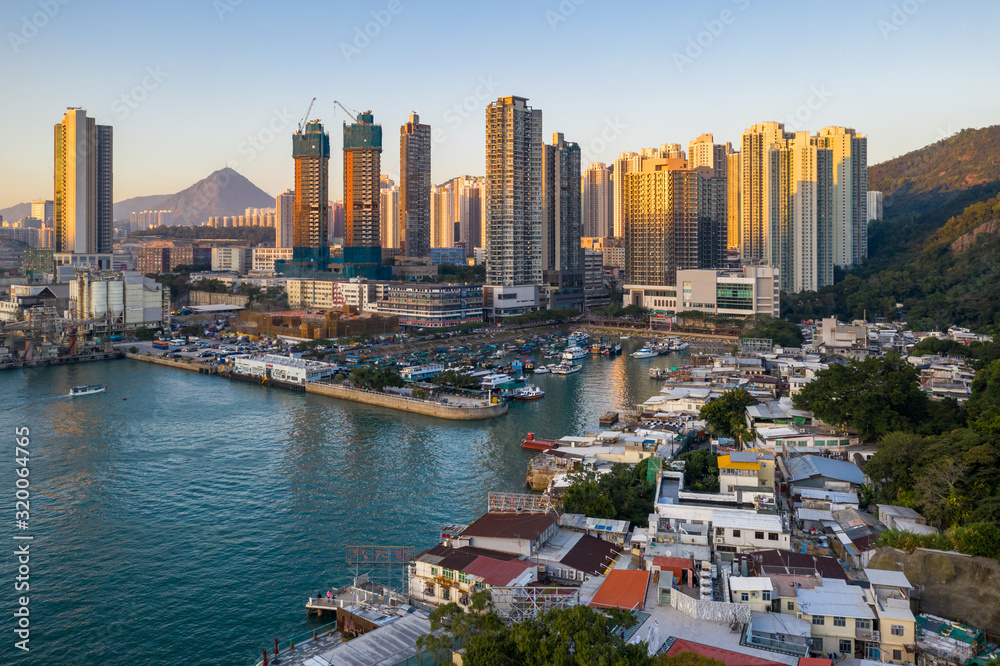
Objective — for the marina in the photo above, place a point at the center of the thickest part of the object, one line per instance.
(273, 486)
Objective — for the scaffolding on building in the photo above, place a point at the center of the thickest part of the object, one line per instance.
(516, 604)
(519, 502)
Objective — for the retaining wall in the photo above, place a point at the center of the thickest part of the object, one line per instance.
(426, 407)
(716, 611)
(173, 363)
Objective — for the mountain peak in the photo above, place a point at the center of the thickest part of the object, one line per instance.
(225, 191)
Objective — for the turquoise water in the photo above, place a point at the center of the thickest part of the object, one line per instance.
(185, 517)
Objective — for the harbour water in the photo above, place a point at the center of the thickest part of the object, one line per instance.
(181, 517)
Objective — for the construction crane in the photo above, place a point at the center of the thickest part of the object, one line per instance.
(352, 114)
(302, 125)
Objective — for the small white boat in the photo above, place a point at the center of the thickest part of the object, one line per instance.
(681, 346)
(566, 369)
(541, 370)
(625, 337)
(87, 390)
(573, 353)
(528, 392)
(645, 352)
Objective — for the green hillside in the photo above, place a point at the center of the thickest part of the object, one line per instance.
(931, 176)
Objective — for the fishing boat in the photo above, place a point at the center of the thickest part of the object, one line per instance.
(533, 444)
(528, 392)
(608, 418)
(645, 352)
(573, 353)
(87, 390)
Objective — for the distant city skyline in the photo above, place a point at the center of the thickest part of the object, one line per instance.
(233, 90)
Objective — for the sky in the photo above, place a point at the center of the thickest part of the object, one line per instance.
(192, 86)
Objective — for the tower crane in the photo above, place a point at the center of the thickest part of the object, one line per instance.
(302, 125)
(352, 114)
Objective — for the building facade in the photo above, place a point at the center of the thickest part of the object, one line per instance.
(750, 291)
(415, 187)
(597, 207)
(82, 207)
(362, 172)
(311, 151)
(284, 219)
(432, 305)
(514, 198)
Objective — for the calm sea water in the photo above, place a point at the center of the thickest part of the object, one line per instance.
(183, 517)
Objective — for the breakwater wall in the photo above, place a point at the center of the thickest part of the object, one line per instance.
(425, 407)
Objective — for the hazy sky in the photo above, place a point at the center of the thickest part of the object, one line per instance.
(193, 85)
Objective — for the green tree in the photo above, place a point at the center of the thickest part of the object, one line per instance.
(874, 396)
(193, 329)
(726, 415)
(621, 493)
(585, 495)
(144, 334)
(701, 471)
(984, 404)
(778, 331)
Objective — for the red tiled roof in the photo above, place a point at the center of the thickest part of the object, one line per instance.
(511, 525)
(730, 658)
(457, 558)
(497, 572)
(623, 588)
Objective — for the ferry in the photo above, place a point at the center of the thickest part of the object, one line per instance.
(87, 390)
(489, 382)
(528, 392)
(645, 352)
(573, 353)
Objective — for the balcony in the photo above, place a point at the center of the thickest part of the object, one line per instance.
(773, 644)
(863, 634)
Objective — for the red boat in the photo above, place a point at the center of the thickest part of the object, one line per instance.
(533, 444)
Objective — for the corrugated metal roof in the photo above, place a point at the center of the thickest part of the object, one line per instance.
(835, 598)
(887, 578)
(807, 467)
(511, 525)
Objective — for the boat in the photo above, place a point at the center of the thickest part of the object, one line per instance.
(645, 352)
(617, 349)
(87, 390)
(573, 353)
(608, 418)
(489, 382)
(681, 346)
(541, 370)
(533, 444)
(566, 369)
(528, 392)
(625, 337)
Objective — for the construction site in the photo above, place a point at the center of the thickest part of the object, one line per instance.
(56, 324)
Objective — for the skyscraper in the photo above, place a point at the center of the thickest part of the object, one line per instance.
(733, 200)
(514, 156)
(284, 214)
(415, 187)
(626, 163)
(390, 230)
(43, 209)
(849, 152)
(596, 204)
(362, 171)
(311, 151)
(82, 207)
(561, 221)
(757, 215)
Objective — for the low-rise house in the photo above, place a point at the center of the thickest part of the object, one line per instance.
(442, 574)
(778, 632)
(801, 439)
(746, 468)
(842, 619)
(739, 531)
(572, 557)
(518, 533)
(903, 518)
(810, 471)
(615, 531)
(752, 591)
